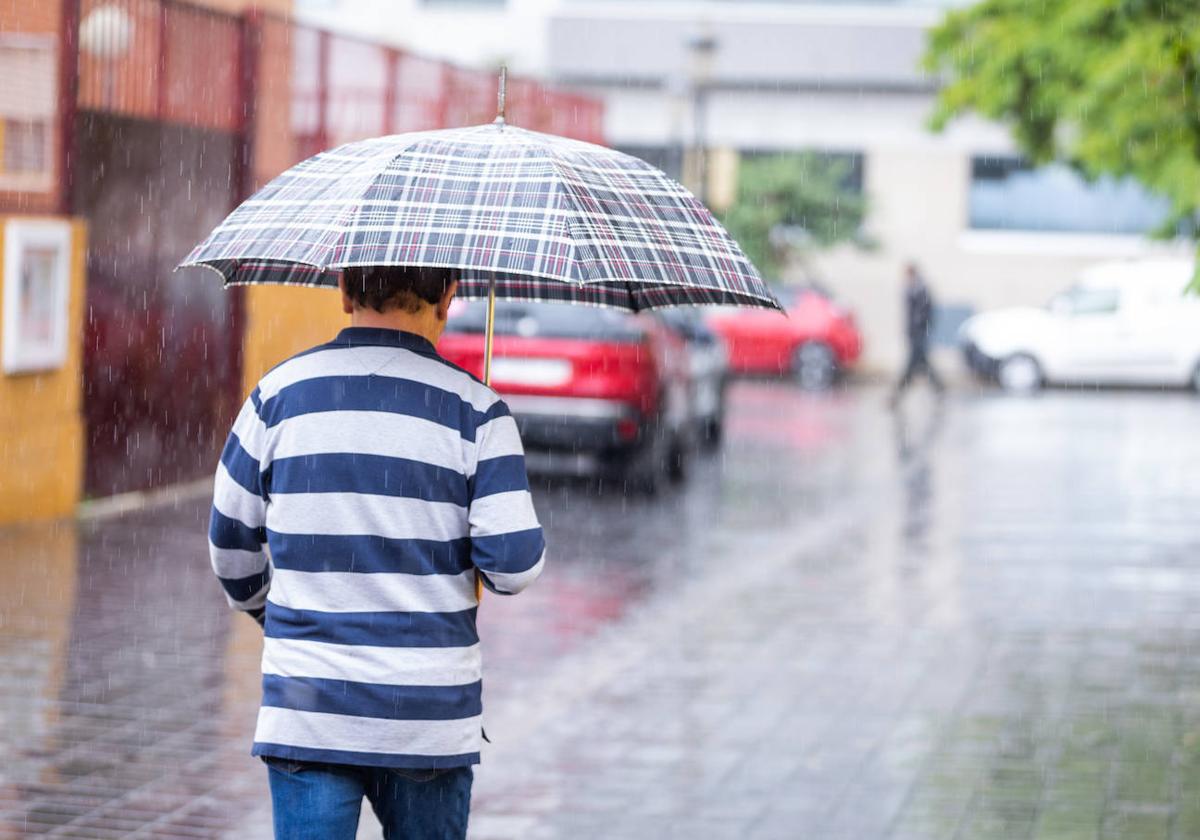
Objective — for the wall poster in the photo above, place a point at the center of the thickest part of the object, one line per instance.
(37, 264)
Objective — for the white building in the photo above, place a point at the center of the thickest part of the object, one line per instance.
(839, 78)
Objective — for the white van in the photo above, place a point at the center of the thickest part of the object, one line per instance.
(1124, 323)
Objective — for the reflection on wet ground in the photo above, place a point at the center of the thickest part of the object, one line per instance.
(972, 620)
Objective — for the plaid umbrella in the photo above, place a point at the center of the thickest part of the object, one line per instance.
(529, 216)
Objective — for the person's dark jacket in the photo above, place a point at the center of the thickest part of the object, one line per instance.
(918, 313)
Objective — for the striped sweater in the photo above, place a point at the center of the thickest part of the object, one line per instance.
(381, 479)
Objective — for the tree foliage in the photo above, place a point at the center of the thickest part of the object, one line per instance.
(805, 193)
(1109, 86)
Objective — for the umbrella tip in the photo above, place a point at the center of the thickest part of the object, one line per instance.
(501, 96)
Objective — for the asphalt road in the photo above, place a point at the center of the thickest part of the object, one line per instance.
(979, 620)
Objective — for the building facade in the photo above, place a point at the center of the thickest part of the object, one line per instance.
(841, 78)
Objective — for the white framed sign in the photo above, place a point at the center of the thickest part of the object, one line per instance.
(37, 266)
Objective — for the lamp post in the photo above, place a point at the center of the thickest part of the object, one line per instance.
(702, 49)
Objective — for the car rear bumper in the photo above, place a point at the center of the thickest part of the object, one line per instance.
(574, 424)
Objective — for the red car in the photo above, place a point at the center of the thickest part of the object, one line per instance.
(816, 342)
(592, 390)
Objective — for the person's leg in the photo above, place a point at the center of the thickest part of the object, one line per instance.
(429, 804)
(921, 365)
(315, 801)
(906, 378)
(934, 379)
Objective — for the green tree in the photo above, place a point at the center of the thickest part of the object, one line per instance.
(788, 202)
(1110, 86)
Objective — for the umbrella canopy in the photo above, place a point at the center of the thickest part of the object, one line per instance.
(528, 215)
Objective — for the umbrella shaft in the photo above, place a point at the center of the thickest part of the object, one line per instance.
(489, 329)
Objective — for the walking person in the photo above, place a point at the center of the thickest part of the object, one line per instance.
(383, 480)
(918, 323)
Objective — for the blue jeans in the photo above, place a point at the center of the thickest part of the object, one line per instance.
(322, 801)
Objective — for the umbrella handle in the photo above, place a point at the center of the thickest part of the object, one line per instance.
(488, 331)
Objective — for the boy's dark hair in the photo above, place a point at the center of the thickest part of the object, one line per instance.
(384, 287)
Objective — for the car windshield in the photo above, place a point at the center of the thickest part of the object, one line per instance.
(548, 320)
(687, 321)
(1083, 300)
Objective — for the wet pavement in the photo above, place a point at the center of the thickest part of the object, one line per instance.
(973, 622)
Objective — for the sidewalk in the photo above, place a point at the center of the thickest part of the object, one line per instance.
(977, 624)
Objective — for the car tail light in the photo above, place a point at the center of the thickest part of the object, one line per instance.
(627, 429)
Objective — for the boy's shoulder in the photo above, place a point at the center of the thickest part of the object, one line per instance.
(290, 369)
(476, 385)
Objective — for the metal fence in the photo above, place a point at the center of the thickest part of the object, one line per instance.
(345, 89)
(170, 61)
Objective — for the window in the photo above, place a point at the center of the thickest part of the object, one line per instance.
(1009, 194)
(25, 147)
(27, 108)
(665, 158)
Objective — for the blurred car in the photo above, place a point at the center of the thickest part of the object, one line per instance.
(592, 390)
(815, 343)
(708, 372)
(1126, 323)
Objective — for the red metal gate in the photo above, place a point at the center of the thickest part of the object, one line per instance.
(158, 145)
(181, 110)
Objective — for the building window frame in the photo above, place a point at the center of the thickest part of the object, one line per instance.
(1008, 195)
(28, 112)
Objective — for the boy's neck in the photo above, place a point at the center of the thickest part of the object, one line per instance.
(423, 323)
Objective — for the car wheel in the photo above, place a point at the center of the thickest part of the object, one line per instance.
(677, 460)
(711, 433)
(712, 429)
(1020, 374)
(643, 469)
(814, 366)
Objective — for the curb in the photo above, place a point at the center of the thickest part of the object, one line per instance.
(139, 500)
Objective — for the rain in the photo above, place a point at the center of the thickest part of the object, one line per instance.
(557, 419)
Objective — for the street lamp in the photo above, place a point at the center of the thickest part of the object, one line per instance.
(702, 50)
(105, 33)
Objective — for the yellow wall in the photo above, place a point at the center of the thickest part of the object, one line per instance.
(41, 426)
(283, 320)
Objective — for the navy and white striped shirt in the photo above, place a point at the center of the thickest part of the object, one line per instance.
(382, 479)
